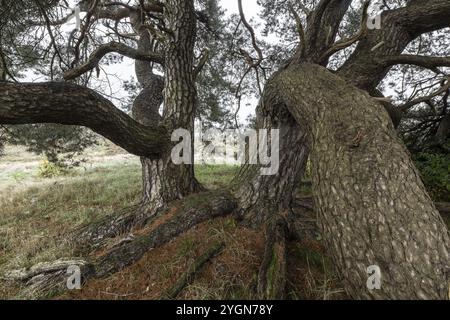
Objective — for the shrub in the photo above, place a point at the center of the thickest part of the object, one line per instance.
(435, 170)
(49, 169)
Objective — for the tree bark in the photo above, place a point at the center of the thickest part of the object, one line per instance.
(272, 273)
(262, 196)
(164, 181)
(372, 206)
(180, 94)
(70, 104)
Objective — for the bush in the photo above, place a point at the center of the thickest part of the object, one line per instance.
(60, 144)
(435, 170)
(49, 169)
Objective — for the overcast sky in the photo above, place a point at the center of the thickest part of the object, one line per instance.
(251, 10)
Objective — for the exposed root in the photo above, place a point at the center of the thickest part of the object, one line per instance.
(272, 273)
(197, 265)
(92, 236)
(208, 208)
(43, 278)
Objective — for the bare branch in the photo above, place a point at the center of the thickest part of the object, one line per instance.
(444, 88)
(305, 9)
(49, 29)
(104, 49)
(252, 34)
(421, 61)
(201, 63)
(300, 29)
(365, 68)
(347, 42)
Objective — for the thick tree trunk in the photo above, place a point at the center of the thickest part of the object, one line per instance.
(372, 206)
(180, 96)
(146, 111)
(262, 196)
(162, 180)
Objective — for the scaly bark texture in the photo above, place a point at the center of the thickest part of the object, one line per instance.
(367, 66)
(372, 206)
(261, 196)
(180, 99)
(146, 111)
(70, 104)
(164, 181)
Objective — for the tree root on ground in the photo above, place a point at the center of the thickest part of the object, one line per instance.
(196, 266)
(272, 272)
(44, 278)
(93, 236)
(47, 279)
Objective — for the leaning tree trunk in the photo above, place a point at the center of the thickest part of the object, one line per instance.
(373, 208)
(265, 200)
(263, 196)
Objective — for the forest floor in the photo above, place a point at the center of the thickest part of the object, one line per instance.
(37, 213)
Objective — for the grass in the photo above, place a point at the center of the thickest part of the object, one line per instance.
(311, 273)
(34, 220)
(228, 276)
(215, 177)
(35, 217)
(36, 214)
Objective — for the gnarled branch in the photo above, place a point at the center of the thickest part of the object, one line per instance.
(444, 88)
(366, 67)
(421, 61)
(347, 42)
(104, 49)
(70, 104)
